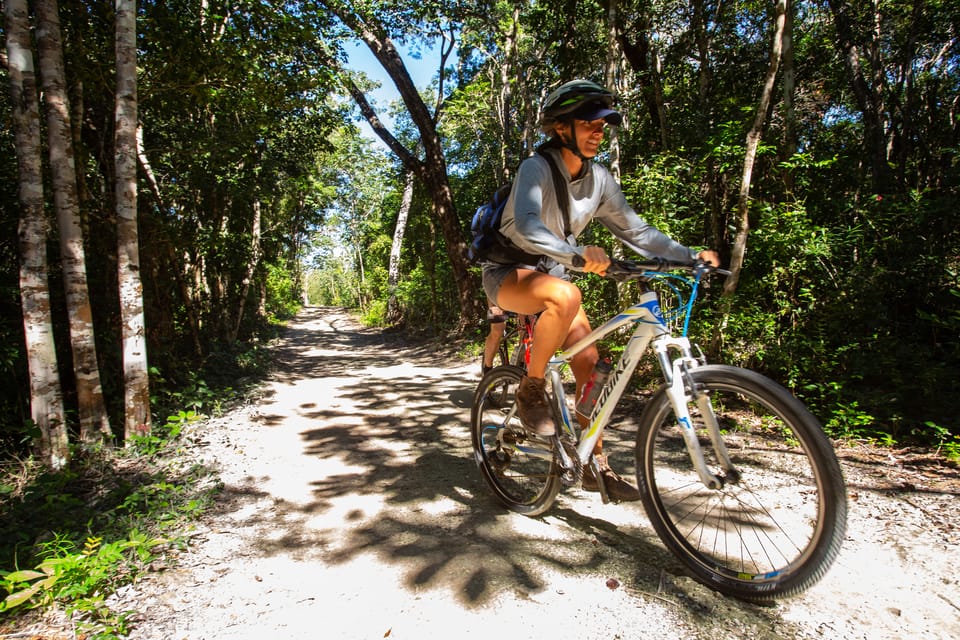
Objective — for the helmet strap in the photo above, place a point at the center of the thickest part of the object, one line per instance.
(572, 143)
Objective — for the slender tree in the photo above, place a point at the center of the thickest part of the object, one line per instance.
(135, 370)
(255, 253)
(94, 424)
(610, 76)
(394, 312)
(635, 42)
(788, 142)
(752, 143)
(46, 401)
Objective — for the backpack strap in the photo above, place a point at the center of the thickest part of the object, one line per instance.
(560, 187)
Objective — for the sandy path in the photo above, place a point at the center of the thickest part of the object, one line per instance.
(352, 509)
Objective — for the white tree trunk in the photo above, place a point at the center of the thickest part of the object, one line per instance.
(136, 380)
(394, 313)
(94, 425)
(46, 399)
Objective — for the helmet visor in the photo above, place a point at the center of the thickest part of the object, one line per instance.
(598, 111)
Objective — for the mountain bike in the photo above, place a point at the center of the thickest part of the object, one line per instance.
(736, 475)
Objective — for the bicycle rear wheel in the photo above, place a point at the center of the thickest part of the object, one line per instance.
(520, 470)
(777, 524)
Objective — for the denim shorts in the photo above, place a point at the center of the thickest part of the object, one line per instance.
(494, 274)
(493, 277)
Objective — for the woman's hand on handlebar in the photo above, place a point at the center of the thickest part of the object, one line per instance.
(710, 257)
(595, 260)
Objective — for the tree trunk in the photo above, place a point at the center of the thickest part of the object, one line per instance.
(94, 425)
(511, 88)
(144, 164)
(394, 312)
(46, 399)
(255, 252)
(136, 380)
(432, 170)
(610, 80)
(701, 33)
(869, 97)
(716, 195)
(507, 68)
(753, 141)
(183, 269)
(788, 144)
(633, 41)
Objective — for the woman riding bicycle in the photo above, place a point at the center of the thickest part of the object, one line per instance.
(574, 117)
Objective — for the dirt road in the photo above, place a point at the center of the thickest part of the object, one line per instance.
(351, 509)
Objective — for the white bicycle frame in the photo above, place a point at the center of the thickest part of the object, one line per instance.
(676, 360)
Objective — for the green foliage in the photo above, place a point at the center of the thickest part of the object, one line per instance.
(74, 576)
(665, 191)
(283, 295)
(331, 287)
(90, 528)
(209, 389)
(191, 391)
(152, 443)
(945, 441)
(375, 315)
(848, 317)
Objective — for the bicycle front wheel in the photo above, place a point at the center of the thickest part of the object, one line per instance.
(521, 470)
(776, 525)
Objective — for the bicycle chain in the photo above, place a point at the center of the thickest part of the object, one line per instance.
(571, 477)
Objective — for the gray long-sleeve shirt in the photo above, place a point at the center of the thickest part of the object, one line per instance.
(532, 218)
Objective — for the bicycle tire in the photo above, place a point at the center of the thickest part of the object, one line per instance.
(523, 483)
(774, 531)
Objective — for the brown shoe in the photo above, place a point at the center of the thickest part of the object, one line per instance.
(533, 408)
(618, 489)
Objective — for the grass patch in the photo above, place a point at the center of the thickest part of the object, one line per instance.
(69, 539)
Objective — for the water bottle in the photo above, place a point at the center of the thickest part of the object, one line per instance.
(593, 386)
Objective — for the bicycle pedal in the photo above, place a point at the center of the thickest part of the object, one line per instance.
(569, 478)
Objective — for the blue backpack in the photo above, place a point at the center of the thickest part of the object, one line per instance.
(488, 244)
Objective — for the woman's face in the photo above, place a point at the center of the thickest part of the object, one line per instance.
(589, 135)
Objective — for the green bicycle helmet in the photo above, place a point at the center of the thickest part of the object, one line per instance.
(577, 100)
(580, 100)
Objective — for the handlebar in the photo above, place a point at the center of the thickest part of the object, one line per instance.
(660, 269)
(626, 270)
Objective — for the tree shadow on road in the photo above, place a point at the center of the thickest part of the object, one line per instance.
(392, 419)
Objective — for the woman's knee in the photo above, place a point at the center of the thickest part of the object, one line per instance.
(564, 295)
